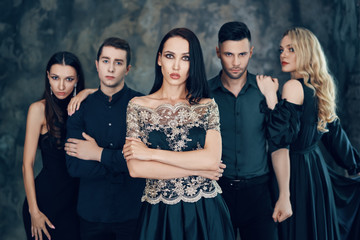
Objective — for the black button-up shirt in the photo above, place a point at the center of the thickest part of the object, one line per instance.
(107, 193)
(242, 126)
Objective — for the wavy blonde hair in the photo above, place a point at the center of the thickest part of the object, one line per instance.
(312, 66)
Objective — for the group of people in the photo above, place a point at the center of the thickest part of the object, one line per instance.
(194, 159)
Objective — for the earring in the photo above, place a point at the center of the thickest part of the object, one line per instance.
(51, 92)
(74, 94)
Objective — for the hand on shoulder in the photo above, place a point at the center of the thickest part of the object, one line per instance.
(293, 92)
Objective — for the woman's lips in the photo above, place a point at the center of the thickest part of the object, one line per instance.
(175, 75)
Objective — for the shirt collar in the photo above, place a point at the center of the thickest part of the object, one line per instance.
(250, 81)
(115, 97)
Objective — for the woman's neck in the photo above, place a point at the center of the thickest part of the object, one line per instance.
(172, 93)
(295, 75)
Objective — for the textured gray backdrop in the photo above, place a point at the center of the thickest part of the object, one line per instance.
(32, 30)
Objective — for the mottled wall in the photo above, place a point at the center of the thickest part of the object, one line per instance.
(32, 30)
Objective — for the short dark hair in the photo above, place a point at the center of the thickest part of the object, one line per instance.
(116, 43)
(234, 31)
(196, 84)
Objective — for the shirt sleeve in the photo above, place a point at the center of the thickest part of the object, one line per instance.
(339, 146)
(214, 117)
(78, 167)
(114, 159)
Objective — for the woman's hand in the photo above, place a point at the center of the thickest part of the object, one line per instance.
(213, 175)
(134, 148)
(75, 102)
(267, 84)
(282, 210)
(268, 87)
(38, 225)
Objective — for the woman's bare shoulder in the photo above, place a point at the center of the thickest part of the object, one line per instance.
(145, 101)
(293, 91)
(38, 107)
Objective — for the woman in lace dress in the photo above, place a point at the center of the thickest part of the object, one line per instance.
(326, 206)
(174, 142)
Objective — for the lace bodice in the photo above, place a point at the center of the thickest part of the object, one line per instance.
(179, 127)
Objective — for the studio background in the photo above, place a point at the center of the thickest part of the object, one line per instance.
(32, 30)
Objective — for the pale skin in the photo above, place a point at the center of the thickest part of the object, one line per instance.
(62, 80)
(235, 57)
(162, 164)
(292, 89)
(112, 69)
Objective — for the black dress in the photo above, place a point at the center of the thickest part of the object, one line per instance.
(180, 208)
(315, 212)
(56, 193)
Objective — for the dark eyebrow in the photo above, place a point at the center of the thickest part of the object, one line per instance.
(117, 59)
(187, 53)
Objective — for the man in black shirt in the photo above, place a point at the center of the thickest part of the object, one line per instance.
(109, 199)
(246, 185)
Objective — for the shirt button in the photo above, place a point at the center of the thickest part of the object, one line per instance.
(110, 124)
(111, 144)
(109, 107)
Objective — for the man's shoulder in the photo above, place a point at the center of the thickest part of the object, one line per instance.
(214, 79)
(133, 93)
(214, 82)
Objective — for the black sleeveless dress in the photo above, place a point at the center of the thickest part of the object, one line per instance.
(56, 193)
(314, 198)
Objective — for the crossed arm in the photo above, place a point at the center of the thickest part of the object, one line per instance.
(163, 164)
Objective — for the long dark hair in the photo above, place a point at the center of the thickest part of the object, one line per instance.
(55, 109)
(196, 84)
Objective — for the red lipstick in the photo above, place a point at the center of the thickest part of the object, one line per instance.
(175, 75)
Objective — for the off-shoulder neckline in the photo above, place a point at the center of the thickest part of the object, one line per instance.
(174, 106)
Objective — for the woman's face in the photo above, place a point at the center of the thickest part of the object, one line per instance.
(62, 79)
(175, 61)
(287, 55)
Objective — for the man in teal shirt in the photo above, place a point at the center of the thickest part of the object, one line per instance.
(246, 185)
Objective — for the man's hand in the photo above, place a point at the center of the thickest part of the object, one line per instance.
(83, 149)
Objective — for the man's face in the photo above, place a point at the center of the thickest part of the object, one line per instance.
(234, 56)
(112, 67)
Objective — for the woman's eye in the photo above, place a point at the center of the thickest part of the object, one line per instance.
(170, 56)
(291, 50)
(186, 58)
(54, 77)
(69, 79)
(281, 50)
